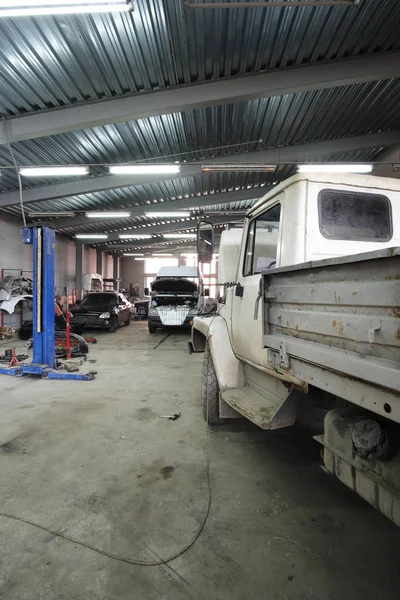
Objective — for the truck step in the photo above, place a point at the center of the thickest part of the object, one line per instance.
(267, 410)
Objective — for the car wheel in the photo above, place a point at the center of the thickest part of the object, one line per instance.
(128, 321)
(210, 390)
(152, 329)
(113, 325)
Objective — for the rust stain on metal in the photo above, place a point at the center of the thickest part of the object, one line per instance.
(337, 298)
(355, 293)
(397, 336)
(339, 325)
(395, 312)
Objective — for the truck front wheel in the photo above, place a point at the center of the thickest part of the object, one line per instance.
(210, 390)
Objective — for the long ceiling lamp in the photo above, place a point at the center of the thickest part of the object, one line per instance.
(36, 8)
(335, 168)
(60, 171)
(144, 169)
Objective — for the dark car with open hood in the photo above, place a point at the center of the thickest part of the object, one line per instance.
(101, 310)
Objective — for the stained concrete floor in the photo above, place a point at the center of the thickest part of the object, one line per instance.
(95, 461)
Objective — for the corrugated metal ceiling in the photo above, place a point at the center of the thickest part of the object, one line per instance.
(245, 126)
(53, 62)
(163, 192)
(48, 62)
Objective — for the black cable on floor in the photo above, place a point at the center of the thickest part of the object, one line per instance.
(131, 561)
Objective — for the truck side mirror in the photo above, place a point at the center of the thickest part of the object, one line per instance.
(146, 292)
(205, 241)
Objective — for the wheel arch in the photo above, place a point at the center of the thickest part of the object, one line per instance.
(228, 368)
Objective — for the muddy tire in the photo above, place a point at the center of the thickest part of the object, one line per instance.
(210, 390)
(152, 329)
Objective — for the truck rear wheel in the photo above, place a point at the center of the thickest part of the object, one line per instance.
(152, 329)
(210, 390)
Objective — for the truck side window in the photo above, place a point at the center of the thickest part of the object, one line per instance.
(356, 216)
(262, 242)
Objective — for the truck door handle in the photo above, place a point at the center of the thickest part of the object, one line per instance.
(259, 296)
(239, 290)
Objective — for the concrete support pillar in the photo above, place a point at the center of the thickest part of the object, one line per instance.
(80, 252)
(99, 262)
(116, 261)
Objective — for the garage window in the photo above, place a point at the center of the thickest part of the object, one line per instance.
(355, 216)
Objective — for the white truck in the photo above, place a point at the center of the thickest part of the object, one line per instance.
(309, 311)
(177, 296)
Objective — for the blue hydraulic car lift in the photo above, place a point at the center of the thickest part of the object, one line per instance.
(43, 359)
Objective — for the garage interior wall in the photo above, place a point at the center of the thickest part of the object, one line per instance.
(132, 271)
(17, 255)
(108, 266)
(89, 260)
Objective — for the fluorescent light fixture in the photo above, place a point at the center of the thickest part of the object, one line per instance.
(178, 214)
(245, 167)
(52, 171)
(335, 168)
(161, 254)
(24, 3)
(108, 215)
(144, 169)
(141, 258)
(37, 11)
(183, 236)
(40, 215)
(89, 236)
(132, 254)
(189, 254)
(134, 236)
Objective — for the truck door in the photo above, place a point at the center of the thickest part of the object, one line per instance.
(260, 251)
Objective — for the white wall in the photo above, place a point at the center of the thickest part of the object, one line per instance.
(14, 254)
(108, 266)
(132, 271)
(89, 260)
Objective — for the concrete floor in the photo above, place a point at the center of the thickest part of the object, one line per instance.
(93, 459)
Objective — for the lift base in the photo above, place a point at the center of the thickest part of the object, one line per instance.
(43, 371)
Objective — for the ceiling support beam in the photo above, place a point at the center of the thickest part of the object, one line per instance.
(90, 185)
(289, 80)
(174, 226)
(192, 203)
(289, 154)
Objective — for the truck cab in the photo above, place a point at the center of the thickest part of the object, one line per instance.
(309, 308)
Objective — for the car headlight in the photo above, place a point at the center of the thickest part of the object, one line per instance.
(192, 312)
(153, 311)
(105, 315)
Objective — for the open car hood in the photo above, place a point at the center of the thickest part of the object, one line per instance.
(174, 284)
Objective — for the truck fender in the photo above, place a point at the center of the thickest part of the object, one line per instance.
(228, 368)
